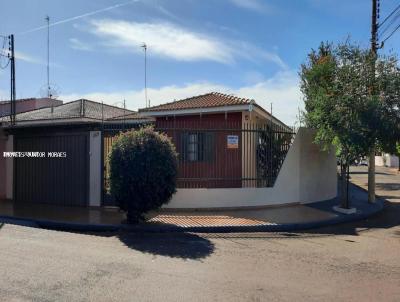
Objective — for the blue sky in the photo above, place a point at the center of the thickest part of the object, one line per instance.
(249, 48)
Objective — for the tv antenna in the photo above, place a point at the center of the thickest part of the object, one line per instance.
(144, 46)
(48, 56)
(49, 90)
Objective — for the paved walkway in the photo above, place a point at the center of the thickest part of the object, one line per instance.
(270, 218)
(112, 216)
(387, 181)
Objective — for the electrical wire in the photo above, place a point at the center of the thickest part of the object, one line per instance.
(80, 16)
(393, 11)
(389, 25)
(391, 34)
(4, 54)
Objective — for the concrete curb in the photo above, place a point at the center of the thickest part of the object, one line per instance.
(162, 228)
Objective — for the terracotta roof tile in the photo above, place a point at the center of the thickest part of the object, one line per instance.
(213, 99)
(134, 115)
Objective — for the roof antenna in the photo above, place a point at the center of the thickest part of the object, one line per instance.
(271, 114)
(144, 46)
(49, 90)
(48, 56)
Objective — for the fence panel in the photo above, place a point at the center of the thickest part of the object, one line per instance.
(231, 155)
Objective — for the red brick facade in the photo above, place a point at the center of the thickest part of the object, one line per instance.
(218, 166)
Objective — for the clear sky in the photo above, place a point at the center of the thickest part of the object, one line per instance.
(250, 48)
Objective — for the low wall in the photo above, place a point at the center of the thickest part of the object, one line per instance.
(387, 160)
(307, 175)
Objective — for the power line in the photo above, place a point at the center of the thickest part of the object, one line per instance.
(79, 16)
(393, 11)
(4, 54)
(391, 34)
(392, 21)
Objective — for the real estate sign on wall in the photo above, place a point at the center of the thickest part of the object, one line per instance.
(232, 141)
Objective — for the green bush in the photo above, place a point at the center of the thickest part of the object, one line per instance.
(143, 171)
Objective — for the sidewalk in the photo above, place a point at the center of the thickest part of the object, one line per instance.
(285, 218)
(387, 181)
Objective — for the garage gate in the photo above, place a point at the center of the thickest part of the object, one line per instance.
(60, 181)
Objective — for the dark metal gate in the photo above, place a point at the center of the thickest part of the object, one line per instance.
(206, 160)
(52, 180)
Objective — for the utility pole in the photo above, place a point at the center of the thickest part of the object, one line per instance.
(371, 164)
(12, 61)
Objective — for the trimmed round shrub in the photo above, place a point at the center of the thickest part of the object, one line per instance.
(143, 171)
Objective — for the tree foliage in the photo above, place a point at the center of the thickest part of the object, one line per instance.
(348, 106)
(143, 171)
(352, 100)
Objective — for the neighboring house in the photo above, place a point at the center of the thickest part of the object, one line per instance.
(21, 105)
(73, 128)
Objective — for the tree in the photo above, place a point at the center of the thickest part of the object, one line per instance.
(143, 171)
(386, 89)
(336, 82)
(397, 153)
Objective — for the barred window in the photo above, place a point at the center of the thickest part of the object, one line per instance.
(198, 146)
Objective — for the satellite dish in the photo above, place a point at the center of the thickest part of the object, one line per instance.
(52, 92)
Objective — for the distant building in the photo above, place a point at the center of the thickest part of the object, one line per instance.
(24, 105)
(387, 160)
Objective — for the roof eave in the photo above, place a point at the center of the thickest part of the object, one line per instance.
(189, 111)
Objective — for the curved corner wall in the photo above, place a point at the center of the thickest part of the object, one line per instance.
(307, 175)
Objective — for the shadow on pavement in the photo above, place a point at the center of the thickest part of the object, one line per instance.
(388, 186)
(175, 245)
(389, 217)
(366, 173)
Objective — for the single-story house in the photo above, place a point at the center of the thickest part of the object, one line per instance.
(232, 153)
(220, 138)
(60, 152)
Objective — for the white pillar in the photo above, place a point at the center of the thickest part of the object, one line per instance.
(95, 183)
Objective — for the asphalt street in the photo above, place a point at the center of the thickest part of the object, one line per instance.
(352, 262)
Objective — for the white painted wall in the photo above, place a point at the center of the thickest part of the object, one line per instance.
(387, 160)
(392, 161)
(379, 161)
(307, 175)
(318, 171)
(9, 168)
(95, 183)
